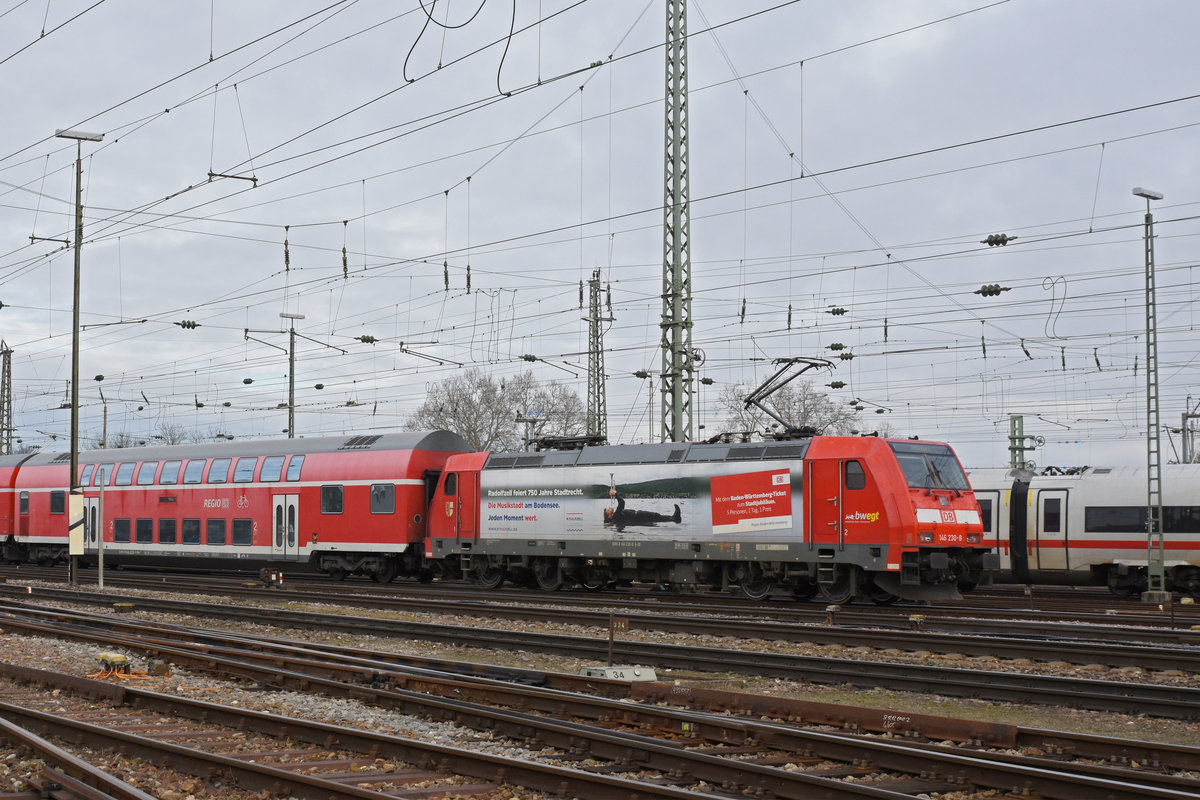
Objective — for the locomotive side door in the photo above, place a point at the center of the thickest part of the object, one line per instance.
(284, 525)
(466, 517)
(823, 500)
(1052, 543)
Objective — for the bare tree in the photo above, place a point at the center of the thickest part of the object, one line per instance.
(123, 439)
(171, 433)
(484, 411)
(797, 402)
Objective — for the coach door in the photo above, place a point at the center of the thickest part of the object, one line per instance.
(1052, 550)
(284, 526)
(91, 523)
(823, 501)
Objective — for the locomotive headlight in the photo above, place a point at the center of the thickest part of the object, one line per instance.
(973, 538)
(926, 537)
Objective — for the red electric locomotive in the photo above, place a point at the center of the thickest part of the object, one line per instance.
(342, 505)
(839, 516)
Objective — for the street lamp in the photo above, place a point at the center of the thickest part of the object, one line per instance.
(288, 315)
(1156, 583)
(80, 137)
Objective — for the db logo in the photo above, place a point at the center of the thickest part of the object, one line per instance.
(948, 515)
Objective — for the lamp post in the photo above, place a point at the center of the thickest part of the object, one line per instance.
(1156, 588)
(76, 493)
(288, 315)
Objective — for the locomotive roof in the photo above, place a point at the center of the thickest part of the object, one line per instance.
(659, 453)
(444, 441)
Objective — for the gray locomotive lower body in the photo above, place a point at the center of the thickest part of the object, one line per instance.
(838, 573)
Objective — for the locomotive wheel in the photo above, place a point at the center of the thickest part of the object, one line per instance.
(880, 597)
(842, 590)
(549, 578)
(488, 576)
(755, 585)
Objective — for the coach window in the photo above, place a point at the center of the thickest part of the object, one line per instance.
(166, 531)
(170, 473)
(293, 473)
(331, 499)
(191, 531)
(243, 530)
(451, 487)
(244, 471)
(195, 471)
(24, 503)
(120, 530)
(1052, 516)
(58, 502)
(219, 471)
(145, 474)
(144, 531)
(855, 477)
(102, 473)
(383, 498)
(272, 469)
(214, 531)
(985, 510)
(125, 474)
(86, 475)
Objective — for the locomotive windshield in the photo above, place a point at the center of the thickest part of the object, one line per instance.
(930, 466)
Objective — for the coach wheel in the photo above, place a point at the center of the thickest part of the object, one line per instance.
(336, 574)
(548, 575)
(486, 575)
(386, 573)
(843, 589)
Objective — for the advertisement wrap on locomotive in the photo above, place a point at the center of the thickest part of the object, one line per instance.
(836, 516)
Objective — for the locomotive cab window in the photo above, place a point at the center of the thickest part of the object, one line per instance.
(145, 473)
(855, 477)
(930, 466)
(272, 469)
(383, 498)
(170, 473)
(219, 471)
(293, 473)
(244, 471)
(451, 484)
(195, 471)
(58, 502)
(331, 499)
(125, 474)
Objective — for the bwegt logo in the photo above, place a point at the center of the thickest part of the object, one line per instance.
(863, 516)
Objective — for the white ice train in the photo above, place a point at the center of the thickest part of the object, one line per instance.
(1087, 526)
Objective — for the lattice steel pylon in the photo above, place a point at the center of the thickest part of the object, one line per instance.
(597, 408)
(676, 346)
(6, 409)
(1156, 585)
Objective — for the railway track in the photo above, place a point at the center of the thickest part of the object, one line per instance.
(695, 743)
(1123, 697)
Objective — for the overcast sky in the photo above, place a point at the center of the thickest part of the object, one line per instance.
(842, 155)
